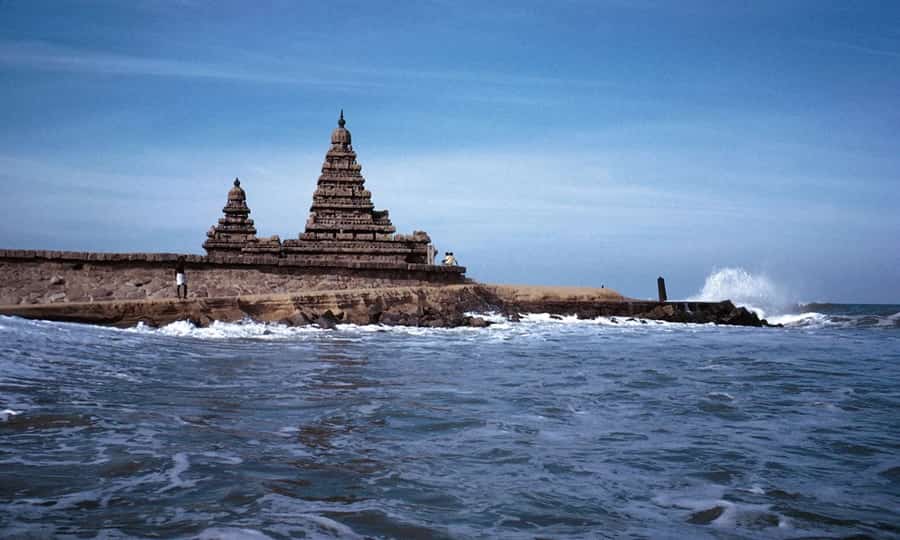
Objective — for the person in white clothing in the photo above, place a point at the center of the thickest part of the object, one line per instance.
(180, 281)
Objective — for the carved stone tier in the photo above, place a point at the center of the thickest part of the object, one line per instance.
(343, 223)
(235, 232)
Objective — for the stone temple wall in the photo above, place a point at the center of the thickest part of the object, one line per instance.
(37, 277)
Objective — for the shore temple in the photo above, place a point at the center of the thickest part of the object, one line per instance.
(343, 224)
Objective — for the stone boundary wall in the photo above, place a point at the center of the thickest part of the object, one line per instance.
(39, 277)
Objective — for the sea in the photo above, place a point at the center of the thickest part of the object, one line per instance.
(544, 428)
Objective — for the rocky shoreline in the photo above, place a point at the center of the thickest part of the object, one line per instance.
(443, 306)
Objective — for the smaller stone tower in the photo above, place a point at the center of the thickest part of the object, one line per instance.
(235, 233)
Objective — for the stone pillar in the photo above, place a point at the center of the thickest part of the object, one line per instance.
(661, 285)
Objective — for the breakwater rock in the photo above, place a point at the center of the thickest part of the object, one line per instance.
(432, 306)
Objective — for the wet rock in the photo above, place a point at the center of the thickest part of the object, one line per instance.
(375, 311)
(57, 297)
(742, 317)
(298, 318)
(661, 313)
(705, 517)
(477, 322)
(391, 318)
(327, 320)
(57, 280)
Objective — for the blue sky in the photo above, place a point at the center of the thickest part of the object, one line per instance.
(570, 142)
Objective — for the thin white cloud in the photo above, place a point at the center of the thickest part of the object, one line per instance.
(856, 47)
(42, 56)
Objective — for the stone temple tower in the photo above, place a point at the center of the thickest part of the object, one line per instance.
(235, 233)
(343, 224)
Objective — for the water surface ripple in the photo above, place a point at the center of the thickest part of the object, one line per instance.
(541, 429)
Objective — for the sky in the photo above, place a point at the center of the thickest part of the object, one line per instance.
(572, 142)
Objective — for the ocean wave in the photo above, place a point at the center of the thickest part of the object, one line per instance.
(501, 327)
(7, 414)
(760, 294)
(529, 323)
(756, 292)
(814, 319)
(229, 330)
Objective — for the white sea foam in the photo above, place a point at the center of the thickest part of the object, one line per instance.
(225, 330)
(731, 514)
(181, 464)
(490, 316)
(231, 533)
(223, 458)
(249, 329)
(6, 414)
(768, 300)
(820, 320)
(331, 527)
(800, 319)
(551, 319)
(756, 292)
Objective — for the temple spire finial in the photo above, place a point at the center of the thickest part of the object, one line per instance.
(237, 182)
(341, 121)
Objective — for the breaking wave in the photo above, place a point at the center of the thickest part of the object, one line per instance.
(875, 318)
(759, 293)
(756, 292)
(530, 324)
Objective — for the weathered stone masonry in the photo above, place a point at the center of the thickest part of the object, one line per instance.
(32, 277)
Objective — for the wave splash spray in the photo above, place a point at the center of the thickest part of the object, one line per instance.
(755, 292)
(760, 294)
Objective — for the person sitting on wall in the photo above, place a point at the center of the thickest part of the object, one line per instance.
(180, 281)
(449, 259)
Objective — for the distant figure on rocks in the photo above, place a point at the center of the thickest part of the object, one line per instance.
(180, 281)
(449, 259)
